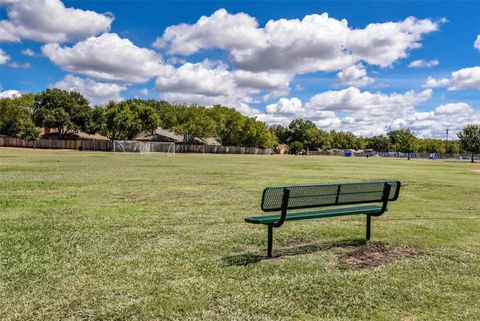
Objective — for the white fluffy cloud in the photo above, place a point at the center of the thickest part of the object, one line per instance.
(434, 83)
(10, 93)
(476, 44)
(278, 46)
(368, 114)
(285, 110)
(384, 43)
(206, 79)
(466, 78)
(274, 81)
(452, 116)
(220, 30)
(3, 57)
(50, 21)
(453, 108)
(240, 103)
(95, 92)
(267, 58)
(315, 43)
(361, 112)
(420, 63)
(28, 52)
(355, 75)
(213, 83)
(286, 106)
(107, 57)
(352, 99)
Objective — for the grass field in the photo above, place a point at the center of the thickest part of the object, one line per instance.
(96, 236)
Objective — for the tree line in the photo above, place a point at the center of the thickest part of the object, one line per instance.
(303, 135)
(70, 112)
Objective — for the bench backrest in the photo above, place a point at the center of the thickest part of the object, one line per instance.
(309, 196)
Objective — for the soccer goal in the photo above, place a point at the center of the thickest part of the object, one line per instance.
(128, 146)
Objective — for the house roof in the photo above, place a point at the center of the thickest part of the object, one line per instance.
(160, 135)
(212, 141)
(165, 135)
(83, 135)
(281, 146)
(53, 133)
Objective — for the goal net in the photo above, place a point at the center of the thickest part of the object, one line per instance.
(128, 146)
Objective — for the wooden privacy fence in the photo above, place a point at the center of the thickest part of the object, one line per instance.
(108, 146)
(56, 144)
(222, 149)
(390, 154)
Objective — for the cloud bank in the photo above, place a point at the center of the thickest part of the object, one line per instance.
(50, 21)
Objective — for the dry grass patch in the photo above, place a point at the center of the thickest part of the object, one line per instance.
(375, 254)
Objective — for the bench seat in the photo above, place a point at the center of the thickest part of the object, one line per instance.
(271, 219)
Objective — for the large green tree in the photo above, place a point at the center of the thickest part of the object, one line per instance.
(126, 119)
(119, 121)
(281, 132)
(95, 122)
(257, 134)
(16, 117)
(453, 147)
(431, 145)
(148, 118)
(379, 143)
(296, 148)
(307, 135)
(302, 131)
(470, 139)
(193, 122)
(169, 113)
(234, 129)
(229, 125)
(404, 140)
(65, 111)
(344, 140)
(147, 113)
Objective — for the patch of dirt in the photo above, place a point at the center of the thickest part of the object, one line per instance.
(477, 170)
(375, 254)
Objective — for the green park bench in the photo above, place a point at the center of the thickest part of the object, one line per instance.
(339, 197)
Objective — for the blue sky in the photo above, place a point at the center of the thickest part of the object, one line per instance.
(366, 67)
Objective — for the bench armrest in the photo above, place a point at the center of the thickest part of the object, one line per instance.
(285, 197)
(386, 194)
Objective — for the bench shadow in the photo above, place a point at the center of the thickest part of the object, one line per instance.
(250, 258)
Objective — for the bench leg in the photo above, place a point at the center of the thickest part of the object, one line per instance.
(369, 219)
(270, 241)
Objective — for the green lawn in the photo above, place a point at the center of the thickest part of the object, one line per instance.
(97, 236)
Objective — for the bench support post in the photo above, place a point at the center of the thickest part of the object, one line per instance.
(270, 241)
(369, 220)
(285, 196)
